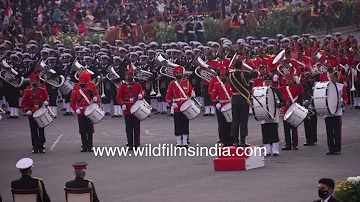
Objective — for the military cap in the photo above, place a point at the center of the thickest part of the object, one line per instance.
(173, 44)
(305, 35)
(18, 49)
(214, 44)
(312, 37)
(187, 48)
(264, 38)
(14, 56)
(147, 47)
(127, 46)
(279, 36)
(189, 52)
(116, 58)
(196, 50)
(138, 48)
(240, 41)
(139, 53)
(3, 46)
(151, 52)
(154, 44)
(165, 45)
(104, 50)
(88, 58)
(65, 55)
(44, 51)
(104, 57)
(87, 43)
(142, 44)
(143, 57)
(96, 46)
(24, 164)
(295, 37)
(57, 42)
(284, 40)
(26, 55)
(329, 36)
(169, 51)
(66, 50)
(337, 34)
(103, 42)
(249, 38)
(19, 44)
(79, 165)
(158, 51)
(86, 50)
(51, 58)
(133, 54)
(119, 42)
(226, 47)
(121, 49)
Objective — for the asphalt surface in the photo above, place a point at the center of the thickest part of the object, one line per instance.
(292, 176)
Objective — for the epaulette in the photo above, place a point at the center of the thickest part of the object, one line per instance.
(37, 178)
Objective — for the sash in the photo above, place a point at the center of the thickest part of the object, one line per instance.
(84, 96)
(293, 100)
(242, 86)
(181, 90)
(223, 86)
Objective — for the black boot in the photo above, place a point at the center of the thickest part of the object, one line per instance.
(84, 142)
(90, 143)
(243, 142)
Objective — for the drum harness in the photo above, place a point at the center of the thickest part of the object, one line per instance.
(181, 90)
(226, 92)
(34, 94)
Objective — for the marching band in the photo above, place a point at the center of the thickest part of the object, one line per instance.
(289, 72)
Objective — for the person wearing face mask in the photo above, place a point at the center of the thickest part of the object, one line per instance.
(326, 188)
(179, 90)
(83, 92)
(35, 95)
(127, 95)
(220, 96)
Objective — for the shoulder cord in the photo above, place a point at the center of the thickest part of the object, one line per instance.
(247, 99)
(40, 190)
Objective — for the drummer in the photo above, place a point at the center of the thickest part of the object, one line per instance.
(333, 122)
(269, 128)
(127, 95)
(177, 93)
(220, 96)
(83, 94)
(35, 95)
(292, 94)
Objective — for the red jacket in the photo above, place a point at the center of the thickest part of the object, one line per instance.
(218, 93)
(174, 94)
(82, 28)
(214, 64)
(295, 91)
(78, 102)
(29, 102)
(126, 96)
(211, 84)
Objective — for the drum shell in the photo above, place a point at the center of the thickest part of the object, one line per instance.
(266, 96)
(190, 109)
(42, 117)
(296, 114)
(226, 111)
(325, 98)
(66, 88)
(94, 113)
(141, 110)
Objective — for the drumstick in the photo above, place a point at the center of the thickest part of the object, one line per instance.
(50, 111)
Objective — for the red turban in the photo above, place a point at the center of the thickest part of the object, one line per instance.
(178, 69)
(85, 77)
(34, 75)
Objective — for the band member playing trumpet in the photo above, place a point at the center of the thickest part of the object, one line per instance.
(292, 94)
(334, 122)
(82, 95)
(221, 95)
(176, 92)
(127, 95)
(35, 95)
(240, 101)
(269, 128)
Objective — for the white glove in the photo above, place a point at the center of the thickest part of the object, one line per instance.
(94, 99)
(140, 96)
(78, 111)
(174, 105)
(275, 78)
(193, 94)
(28, 113)
(123, 107)
(46, 103)
(0, 117)
(218, 106)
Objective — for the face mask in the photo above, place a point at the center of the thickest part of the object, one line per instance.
(82, 85)
(130, 79)
(322, 193)
(35, 84)
(178, 76)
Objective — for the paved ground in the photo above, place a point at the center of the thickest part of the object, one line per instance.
(292, 175)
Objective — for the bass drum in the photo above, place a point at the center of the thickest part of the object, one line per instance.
(94, 113)
(266, 97)
(325, 98)
(42, 117)
(296, 114)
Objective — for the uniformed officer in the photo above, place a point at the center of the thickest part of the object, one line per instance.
(27, 182)
(127, 95)
(189, 29)
(80, 182)
(83, 94)
(199, 30)
(35, 95)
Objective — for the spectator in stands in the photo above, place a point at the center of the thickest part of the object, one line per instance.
(82, 28)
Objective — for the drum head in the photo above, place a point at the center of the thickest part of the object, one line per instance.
(186, 105)
(332, 98)
(271, 102)
(289, 112)
(89, 109)
(39, 112)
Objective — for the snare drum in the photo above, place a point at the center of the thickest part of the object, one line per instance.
(190, 109)
(296, 114)
(42, 117)
(67, 87)
(266, 97)
(141, 109)
(226, 111)
(325, 98)
(94, 113)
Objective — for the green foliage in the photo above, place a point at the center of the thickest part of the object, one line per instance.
(212, 30)
(348, 190)
(166, 32)
(70, 40)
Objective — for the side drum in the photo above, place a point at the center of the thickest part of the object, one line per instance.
(226, 111)
(190, 109)
(94, 113)
(141, 109)
(296, 114)
(42, 117)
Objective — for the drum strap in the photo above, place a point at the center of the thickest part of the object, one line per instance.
(84, 96)
(293, 100)
(132, 92)
(34, 94)
(224, 88)
(181, 90)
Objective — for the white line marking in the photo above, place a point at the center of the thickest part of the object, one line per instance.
(351, 144)
(57, 140)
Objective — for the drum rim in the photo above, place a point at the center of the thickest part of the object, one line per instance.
(41, 108)
(292, 113)
(267, 97)
(326, 100)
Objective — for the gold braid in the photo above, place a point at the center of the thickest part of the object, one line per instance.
(231, 81)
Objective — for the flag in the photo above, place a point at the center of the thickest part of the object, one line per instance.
(123, 3)
(9, 11)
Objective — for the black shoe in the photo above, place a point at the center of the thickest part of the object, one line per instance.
(107, 113)
(83, 150)
(330, 153)
(131, 148)
(313, 144)
(286, 148)
(114, 116)
(211, 114)
(41, 151)
(275, 154)
(170, 115)
(67, 114)
(307, 144)
(295, 148)
(268, 155)
(90, 150)
(244, 144)
(16, 117)
(218, 141)
(206, 114)
(35, 151)
(63, 109)
(337, 153)
(10, 117)
(127, 144)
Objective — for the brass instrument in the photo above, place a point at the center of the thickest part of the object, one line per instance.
(141, 74)
(45, 71)
(353, 91)
(166, 67)
(158, 87)
(316, 58)
(286, 67)
(357, 58)
(103, 96)
(113, 77)
(300, 63)
(204, 71)
(8, 74)
(76, 66)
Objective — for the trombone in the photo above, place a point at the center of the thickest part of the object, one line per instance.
(353, 91)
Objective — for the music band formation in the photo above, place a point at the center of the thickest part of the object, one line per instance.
(294, 79)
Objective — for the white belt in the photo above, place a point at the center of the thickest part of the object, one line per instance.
(192, 32)
(201, 30)
(224, 101)
(178, 99)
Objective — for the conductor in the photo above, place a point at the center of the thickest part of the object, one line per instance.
(240, 102)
